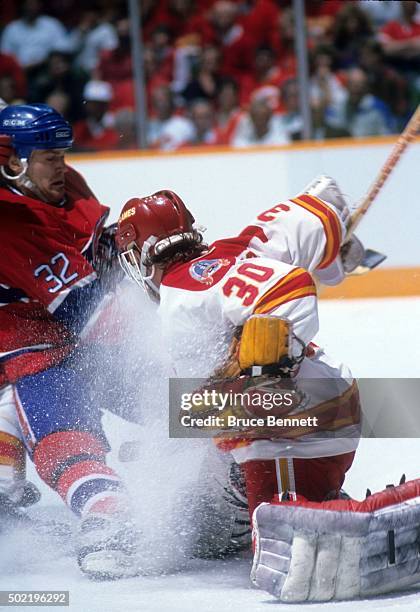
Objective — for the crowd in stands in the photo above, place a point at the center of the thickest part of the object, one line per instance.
(216, 71)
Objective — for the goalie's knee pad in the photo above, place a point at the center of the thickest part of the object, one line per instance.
(340, 549)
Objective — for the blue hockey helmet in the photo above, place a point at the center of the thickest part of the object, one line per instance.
(33, 127)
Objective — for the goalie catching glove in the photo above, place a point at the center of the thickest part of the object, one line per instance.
(261, 346)
(259, 364)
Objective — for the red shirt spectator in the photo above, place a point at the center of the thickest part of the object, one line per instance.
(124, 94)
(228, 110)
(180, 17)
(265, 79)
(9, 67)
(402, 38)
(260, 22)
(115, 64)
(96, 132)
(223, 29)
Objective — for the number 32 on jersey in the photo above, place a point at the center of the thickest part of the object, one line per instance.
(56, 272)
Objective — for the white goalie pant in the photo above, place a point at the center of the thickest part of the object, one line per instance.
(12, 450)
(341, 549)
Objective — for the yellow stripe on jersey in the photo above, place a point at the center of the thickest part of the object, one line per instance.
(284, 485)
(330, 222)
(9, 439)
(295, 285)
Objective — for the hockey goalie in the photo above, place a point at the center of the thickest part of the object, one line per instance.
(242, 313)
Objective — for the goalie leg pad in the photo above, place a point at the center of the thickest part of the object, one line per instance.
(340, 549)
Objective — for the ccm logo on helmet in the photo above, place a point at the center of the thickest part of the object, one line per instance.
(14, 122)
(128, 213)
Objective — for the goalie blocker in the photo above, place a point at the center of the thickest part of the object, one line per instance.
(340, 549)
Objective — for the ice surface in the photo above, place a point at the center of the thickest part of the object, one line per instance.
(375, 338)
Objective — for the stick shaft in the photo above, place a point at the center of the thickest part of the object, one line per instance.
(408, 134)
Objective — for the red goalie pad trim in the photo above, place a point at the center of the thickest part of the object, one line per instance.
(391, 496)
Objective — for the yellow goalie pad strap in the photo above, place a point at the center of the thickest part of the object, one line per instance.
(264, 340)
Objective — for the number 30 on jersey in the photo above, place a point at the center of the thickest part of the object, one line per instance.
(243, 289)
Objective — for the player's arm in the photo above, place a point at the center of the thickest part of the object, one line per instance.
(55, 275)
(308, 231)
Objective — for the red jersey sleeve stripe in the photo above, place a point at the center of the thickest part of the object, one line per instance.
(330, 223)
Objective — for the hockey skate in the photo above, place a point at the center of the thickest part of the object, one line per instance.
(107, 547)
(12, 505)
(326, 188)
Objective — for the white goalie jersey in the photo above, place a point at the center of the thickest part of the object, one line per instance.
(263, 271)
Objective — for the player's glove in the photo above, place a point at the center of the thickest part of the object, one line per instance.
(258, 366)
(6, 149)
(263, 342)
(107, 265)
(352, 254)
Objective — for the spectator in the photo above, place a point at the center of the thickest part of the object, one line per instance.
(265, 78)
(283, 42)
(125, 126)
(385, 82)
(360, 113)
(181, 18)
(59, 101)
(8, 90)
(352, 28)
(291, 118)
(167, 130)
(161, 44)
(203, 120)
(259, 18)
(96, 131)
(326, 90)
(31, 38)
(186, 62)
(400, 39)
(11, 69)
(115, 64)
(205, 83)
(92, 35)
(320, 16)
(225, 31)
(381, 12)
(259, 126)
(59, 76)
(228, 110)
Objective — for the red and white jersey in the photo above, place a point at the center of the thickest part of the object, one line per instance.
(203, 300)
(304, 231)
(46, 275)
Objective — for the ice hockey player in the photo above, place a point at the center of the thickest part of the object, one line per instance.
(54, 255)
(260, 283)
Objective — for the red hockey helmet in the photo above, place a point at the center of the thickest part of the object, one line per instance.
(155, 229)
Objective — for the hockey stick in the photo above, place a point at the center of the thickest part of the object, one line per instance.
(406, 136)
